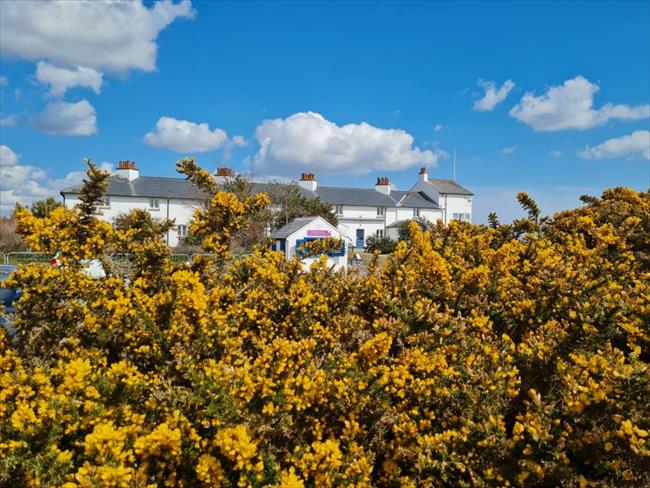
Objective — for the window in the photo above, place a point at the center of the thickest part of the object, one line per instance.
(462, 217)
(338, 209)
(416, 212)
(154, 204)
(182, 230)
(105, 202)
(381, 211)
(380, 232)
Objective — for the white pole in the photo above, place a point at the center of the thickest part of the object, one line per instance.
(454, 165)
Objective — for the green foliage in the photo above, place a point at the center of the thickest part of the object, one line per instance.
(42, 208)
(292, 203)
(404, 232)
(383, 245)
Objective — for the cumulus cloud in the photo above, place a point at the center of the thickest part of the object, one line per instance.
(184, 136)
(571, 106)
(309, 141)
(636, 144)
(67, 119)
(493, 95)
(508, 149)
(59, 80)
(25, 183)
(556, 154)
(112, 36)
(7, 156)
(438, 127)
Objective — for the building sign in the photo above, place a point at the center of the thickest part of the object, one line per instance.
(319, 233)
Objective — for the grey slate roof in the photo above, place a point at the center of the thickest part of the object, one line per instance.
(448, 186)
(412, 199)
(178, 188)
(149, 186)
(398, 223)
(291, 227)
(369, 197)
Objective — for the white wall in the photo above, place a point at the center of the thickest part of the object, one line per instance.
(449, 203)
(456, 204)
(338, 262)
(180, 211)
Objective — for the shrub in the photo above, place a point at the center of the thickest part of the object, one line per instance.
(507, 356)
(383, 245)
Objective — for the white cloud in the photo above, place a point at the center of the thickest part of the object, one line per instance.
(637, 144)
(25, 183)
(238, 141)
(235, 141)
(493, 95)
(438, 127)
(508, 149)
(556, 154)
(59, 80)
(309, 141)
(67, 119)
(8, 121)
(4, 81)
(7, 156)
(571, 106)
(113, 36)
(184, 136)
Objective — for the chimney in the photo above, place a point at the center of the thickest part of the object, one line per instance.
(127, 170)
(308, 181)
(424, 176)
(383, 186)
(222, 174)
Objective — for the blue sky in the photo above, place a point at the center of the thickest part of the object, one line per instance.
(550, 98)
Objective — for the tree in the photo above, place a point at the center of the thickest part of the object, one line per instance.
(291, 203)
(42, 208)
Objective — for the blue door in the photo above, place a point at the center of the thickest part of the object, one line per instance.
(360, 235)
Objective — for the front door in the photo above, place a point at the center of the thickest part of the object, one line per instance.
(360, 235)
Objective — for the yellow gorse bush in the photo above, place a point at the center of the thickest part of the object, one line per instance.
(509, 355)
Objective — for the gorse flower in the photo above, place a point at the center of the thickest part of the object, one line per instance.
(509, 355)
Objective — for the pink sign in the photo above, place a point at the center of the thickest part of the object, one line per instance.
(318, 233)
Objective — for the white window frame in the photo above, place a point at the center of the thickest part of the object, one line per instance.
(381, 211)
(181, 229)
(154, 204)
(380, 232)
(105, 202)
(416, 212)
(338, 209)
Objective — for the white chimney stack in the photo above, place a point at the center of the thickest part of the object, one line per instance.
(127, 170)
(308, 181)
(424, 176)
(383, 186)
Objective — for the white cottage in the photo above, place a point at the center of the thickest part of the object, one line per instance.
(290, 238)
(361, 212)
